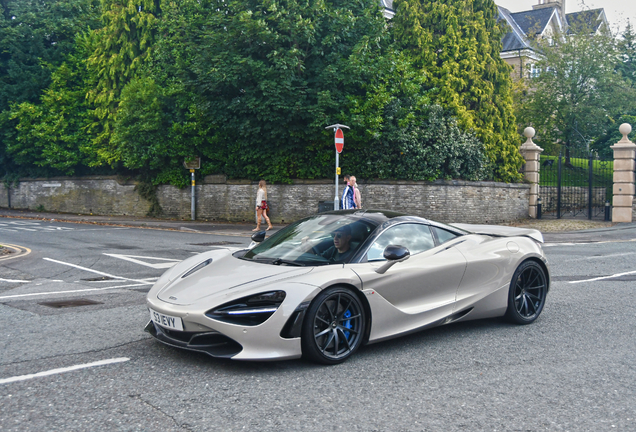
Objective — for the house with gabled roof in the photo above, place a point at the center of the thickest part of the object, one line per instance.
(547, 20)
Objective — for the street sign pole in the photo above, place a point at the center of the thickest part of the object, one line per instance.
(193, 196)
(336, 200)
(339, 142)
(192, 163)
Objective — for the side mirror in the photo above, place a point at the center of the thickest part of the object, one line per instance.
(396, 252)
(393, 254)
(256, 239)
(259, 236)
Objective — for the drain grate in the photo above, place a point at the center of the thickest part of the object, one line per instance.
(220, 243)
(69, 303)
(97, 279)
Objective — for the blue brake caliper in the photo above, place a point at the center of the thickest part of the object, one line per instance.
(347, 323)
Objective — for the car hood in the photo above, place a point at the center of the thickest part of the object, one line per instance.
(501, 231)
(224, 273)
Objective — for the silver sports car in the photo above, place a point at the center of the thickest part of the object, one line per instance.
(325, 285)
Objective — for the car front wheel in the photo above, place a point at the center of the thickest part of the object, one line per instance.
(333, 327)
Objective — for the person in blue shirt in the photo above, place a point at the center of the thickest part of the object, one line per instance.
(347, 202)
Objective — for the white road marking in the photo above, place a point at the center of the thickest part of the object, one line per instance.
(601, 256)
(72, 291)
(588, 243)
(63, 370)
(604, 277)
(133, 258)
(95, 271)
(32, 226)
(14, 280)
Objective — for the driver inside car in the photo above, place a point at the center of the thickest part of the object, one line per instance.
(341, 249)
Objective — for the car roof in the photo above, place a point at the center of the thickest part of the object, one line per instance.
(387, 218)
(377, 216)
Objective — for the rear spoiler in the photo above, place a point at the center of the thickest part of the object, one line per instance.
(501, 231)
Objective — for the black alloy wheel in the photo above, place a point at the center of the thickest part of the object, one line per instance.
(333, 327)
(528, 290)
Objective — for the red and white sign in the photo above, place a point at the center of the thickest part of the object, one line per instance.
(339, 140)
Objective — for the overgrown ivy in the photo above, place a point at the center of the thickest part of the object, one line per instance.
(148, 191)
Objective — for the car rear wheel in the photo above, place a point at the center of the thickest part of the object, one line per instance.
(333, 327)
(528, 290)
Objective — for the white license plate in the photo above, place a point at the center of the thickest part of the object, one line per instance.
(167, 321)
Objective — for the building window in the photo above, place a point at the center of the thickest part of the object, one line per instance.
(534, 71)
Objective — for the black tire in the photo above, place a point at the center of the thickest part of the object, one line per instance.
(334, 326)
(528, 290)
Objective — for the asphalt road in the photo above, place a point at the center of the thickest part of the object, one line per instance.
(572, 370)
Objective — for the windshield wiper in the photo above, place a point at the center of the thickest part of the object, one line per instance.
(279, 261)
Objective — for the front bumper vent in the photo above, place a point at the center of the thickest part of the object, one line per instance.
(212, 343)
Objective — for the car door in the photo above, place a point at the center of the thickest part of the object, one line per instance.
(427, 280)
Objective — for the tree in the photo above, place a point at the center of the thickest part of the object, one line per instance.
(627, 55)
(627, 68)
(52, 134)
(250, 84)
(122, 47)
(271, 75)
(33, 34)
(456, 45)
(578, 93)
(36, 36)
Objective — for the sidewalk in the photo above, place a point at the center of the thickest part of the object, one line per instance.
(554, 230)
(216, 227)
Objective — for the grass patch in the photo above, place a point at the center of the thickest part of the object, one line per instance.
(574, 172)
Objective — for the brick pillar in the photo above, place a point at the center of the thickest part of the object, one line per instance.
(531, 153)
(624, 152)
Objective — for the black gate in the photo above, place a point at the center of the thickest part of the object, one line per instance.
(575, 185)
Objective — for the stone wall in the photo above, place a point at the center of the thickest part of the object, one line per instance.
(234, 200)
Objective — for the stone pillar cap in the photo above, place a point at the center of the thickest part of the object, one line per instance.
(529, 133)
(624, 129)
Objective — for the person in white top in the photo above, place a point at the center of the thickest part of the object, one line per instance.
(357, 198)
(261, 206)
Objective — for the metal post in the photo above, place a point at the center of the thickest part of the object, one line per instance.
(607, 211)
(193, 196)
(336, 200)
(559, 188)
(538, 208)
(589, 188)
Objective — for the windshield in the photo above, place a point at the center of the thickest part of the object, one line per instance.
(319, 240)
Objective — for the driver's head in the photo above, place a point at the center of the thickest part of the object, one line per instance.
(341, 238)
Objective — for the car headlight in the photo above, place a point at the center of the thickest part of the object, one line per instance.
(248, 311)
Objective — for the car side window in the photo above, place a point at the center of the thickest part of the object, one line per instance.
(444, 235)
(415, 237)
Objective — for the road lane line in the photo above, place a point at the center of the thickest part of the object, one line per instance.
(95, 271)
(14, 280)
(73, 291)
(605, 277)
(133, 258)
(64, 370)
